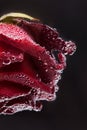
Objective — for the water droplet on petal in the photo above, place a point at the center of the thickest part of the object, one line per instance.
(39, 79)
(45, 63)
(7, 61)
(36, 75)
(56, 88)
(51, 82)
(13, 58)
(51, 67)
(39, 58)
(46, 70)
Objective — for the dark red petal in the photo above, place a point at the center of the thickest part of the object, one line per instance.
(30, 101)
(25, 80)
(9, 55)
(51, 39)
(27, 102)
(17, 37)
(34, 75)
(47, 37)
(26, 76)
(10, 90)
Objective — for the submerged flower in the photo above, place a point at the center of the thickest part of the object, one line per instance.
(29, 70)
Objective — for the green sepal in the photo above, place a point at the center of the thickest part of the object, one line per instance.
(9, 18)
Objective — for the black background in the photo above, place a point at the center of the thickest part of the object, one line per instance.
(69, 111)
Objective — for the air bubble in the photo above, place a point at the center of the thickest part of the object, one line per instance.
(39, 79)
(51, 68)
(51, 82)
(13, 58)
(36, 75)
(48, 37)
(7, 61)
(39, 58)
(53, 38)
(55, 82)
(46, 70)
(5, 77)
(45, 63)
(27, 83)
(23, 75)
(20, 56)
(32, 82)
(38, 91)
(56, 88)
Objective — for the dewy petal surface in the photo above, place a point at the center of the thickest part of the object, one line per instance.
(24, 42)
(29, 71)
(47, 36)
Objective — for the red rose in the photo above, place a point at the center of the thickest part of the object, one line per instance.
(29, 70)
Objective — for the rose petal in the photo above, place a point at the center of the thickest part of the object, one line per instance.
(17, 37)
(24, 76)
(21, 103)
(9, 55)
(47, 36)
(34, 74)
(10, 90)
